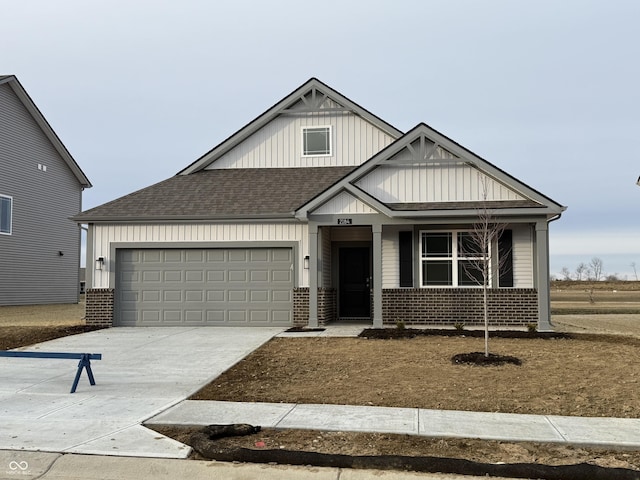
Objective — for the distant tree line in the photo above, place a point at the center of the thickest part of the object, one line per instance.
(592, 272)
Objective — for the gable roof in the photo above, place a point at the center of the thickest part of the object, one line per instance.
(26, 100)
(533, 198)
(312, 94)
(221, 194)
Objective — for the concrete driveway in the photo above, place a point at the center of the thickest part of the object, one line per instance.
(143, 372)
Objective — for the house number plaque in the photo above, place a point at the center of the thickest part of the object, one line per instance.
(345, 221)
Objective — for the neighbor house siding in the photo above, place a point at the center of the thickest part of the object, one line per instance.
(434, 183)
(279, 143)
(105, 235)
(32, 271)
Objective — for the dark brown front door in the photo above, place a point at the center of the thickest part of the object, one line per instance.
(354, 277)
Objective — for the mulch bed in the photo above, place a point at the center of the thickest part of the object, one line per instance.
(391, 333)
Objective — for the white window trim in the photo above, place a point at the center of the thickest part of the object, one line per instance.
(10, 232)
(308, 127)
(454, 260)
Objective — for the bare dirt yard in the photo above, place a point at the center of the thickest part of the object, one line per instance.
(595, 375)
(25, 325)
(588, 375)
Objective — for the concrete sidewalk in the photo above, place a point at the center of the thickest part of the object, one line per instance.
(613, 433)
(55, 466)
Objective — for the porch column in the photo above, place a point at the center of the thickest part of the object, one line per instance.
(377, 275)
(313, 276)
(542, 264)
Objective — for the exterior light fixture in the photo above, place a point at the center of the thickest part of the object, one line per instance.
(638, 182)
(306, 262)
(99, 263)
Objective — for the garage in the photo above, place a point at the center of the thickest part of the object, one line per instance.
(217, 286)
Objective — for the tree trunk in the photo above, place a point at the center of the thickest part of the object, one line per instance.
(486, 321)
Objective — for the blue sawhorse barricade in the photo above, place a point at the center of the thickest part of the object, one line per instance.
(85, 361)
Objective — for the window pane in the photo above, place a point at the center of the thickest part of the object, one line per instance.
(469, 274)
(436, 272)
(317, 141)
(5, 215)
(469, 245)
(436, 244)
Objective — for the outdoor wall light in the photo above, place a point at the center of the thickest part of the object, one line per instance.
(99, 263)
(306, 262)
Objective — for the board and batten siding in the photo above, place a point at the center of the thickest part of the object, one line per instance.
(32, 271)
(325, 257)
(433, 183)
(523, 256)
(105, 235)
(343, 203)
(279, 143)
(391, 256)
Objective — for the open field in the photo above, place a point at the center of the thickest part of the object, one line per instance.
(43, 315)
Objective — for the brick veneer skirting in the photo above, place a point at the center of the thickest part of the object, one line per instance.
(326, 306)
(99, 309)
(516, 306)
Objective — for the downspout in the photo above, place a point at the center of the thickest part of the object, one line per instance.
(552, 219)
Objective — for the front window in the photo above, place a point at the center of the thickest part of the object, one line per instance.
(451, 259)
(6, 204)
(316, 141)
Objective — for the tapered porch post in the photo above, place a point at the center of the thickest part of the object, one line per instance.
(313, 275)
(542, 260)
(377, 275)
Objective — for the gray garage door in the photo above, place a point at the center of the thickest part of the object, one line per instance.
(231, 286)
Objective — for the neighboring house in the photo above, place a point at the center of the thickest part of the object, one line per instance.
(40, 190)
(318, 211)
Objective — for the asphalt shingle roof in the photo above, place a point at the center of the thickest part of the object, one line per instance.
(224, 193)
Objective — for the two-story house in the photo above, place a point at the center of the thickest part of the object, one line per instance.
(40, 190)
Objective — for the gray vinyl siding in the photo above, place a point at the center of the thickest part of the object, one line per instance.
(31, 269)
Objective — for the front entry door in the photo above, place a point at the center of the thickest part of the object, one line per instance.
(354, 278)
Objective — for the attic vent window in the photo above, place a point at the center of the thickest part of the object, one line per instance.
(316, 141)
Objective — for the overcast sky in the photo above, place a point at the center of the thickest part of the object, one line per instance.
(547, 90)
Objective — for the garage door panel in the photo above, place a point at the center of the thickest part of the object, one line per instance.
(196, 276)
(237, 255)
(171, 316)
(281, 276)
(215, 316)
(172, 296)
(215, 295)
(204, 287)
(281, 316)
(259, 255)
(151, 256)
(194, 296)
(216, 276)
(237, 296)
(259, 296)
(282, 255)
(284, 296)
(237, 275)
(151, 276)
(172, 276)
(237, 316)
